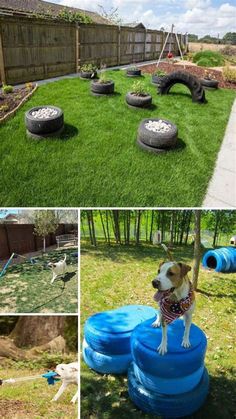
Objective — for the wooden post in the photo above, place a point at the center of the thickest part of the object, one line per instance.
(76, 48)
(145, 42)
(2, 65)
(118, 46)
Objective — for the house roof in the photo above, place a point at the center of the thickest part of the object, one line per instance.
(10, 218)
(135, 25)
(40, 6)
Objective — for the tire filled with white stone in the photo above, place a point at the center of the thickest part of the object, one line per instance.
(43, 120)
(157, 133)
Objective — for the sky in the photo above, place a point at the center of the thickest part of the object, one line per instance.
(201, 17)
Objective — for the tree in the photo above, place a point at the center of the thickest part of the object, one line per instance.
(112, 14)
(46, 222)
(197, 247)
(230, 38)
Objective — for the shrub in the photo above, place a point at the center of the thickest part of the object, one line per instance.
(159, 73)
(88, 68)
(29, 86)
(229, 74)
(4, 108)
(213, 58)
(7, 88)
(228, 50)
(138, 88)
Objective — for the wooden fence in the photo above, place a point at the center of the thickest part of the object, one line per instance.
(34, 49)
(20, 238)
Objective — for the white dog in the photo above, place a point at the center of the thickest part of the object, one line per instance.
(58, 268)
(69, 374)
(176, 298)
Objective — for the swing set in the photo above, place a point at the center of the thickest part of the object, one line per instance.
(170, 55)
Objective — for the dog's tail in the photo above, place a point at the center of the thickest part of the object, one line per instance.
(169, 254)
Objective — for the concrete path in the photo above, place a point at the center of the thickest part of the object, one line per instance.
(221, 191)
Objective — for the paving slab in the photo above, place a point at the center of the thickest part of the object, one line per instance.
(221, 191)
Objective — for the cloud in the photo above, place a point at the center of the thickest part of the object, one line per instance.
(194, 16)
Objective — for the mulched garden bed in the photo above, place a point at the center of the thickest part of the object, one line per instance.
(13, 100)
(195, 70)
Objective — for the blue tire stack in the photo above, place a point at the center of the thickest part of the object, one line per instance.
(106, 346)
(171, 385)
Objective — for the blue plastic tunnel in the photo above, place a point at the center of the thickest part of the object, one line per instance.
(221, 260)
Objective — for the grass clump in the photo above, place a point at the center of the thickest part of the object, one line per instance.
(208, 59)
(138, 89)
(229, 74)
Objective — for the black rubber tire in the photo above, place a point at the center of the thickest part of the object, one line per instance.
(44, 126)
(168, 406)
(156, 80)
(213, 84)
(138, 101)
(133, 73)
(88, 75)
(158, 139)
(150, 149)
(103, 88)
(182, 77)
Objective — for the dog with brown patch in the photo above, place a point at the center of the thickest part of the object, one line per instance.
(176, 298)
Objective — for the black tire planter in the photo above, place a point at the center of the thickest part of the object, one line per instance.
(136, 101)
(156, 80)
(209, 84)
(38, 127)
(99, 89)
(88, 75)
(157, 141)
(188, 80)
(133, 73)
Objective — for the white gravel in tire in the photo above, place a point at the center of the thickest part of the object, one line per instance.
(44, 113)
(158, 126)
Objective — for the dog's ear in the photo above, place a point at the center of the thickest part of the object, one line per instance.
(184, 269)
(160, 265)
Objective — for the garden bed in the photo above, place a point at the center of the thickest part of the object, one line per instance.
(193, 69)
(11, 102)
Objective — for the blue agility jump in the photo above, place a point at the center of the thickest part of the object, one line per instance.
(221, 260)
(14, 255)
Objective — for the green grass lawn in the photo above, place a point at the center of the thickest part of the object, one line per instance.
(97, 161)
(32, 399)
(26, 288)
(115, 276)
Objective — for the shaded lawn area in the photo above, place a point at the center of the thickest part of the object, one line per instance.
(97, 161)
(26, 287)
(115, 276)
(32, 399)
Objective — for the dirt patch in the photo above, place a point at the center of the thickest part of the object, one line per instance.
(12, 276)
(195, 70)
(10, 407)
(5, 290)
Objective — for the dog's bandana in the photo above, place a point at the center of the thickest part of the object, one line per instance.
(172, 310)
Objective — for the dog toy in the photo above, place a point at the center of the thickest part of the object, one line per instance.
(51, 377)
(169, 254)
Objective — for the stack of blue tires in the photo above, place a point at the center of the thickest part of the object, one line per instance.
(171, 385)
(106, 345)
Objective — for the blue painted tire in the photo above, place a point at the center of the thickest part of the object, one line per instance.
(171, 406)
(178, 361)
(221, 260)
(105, 364)
(109, 332)
(168, 385)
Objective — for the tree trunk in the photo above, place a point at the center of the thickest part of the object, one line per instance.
(151, 228)
(197, 247)
(29, 331)
(44, 244)
(218, 217)
(103, 226)
(137, 241)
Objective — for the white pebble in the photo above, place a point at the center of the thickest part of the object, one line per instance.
(158, 126)
(44, 113)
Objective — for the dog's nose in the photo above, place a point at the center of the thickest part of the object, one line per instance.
(155, 283)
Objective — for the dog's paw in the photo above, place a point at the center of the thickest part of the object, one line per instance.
(162, 349)
(186, 343)
(156, 323)
(73, 401)
(53, 400)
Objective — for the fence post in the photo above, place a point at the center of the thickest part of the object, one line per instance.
(8, 240)
(2, 65)
(145, 42)
(118, 46)
(76, 48)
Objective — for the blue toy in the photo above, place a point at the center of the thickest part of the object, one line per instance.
(221, 260)
(51, 377)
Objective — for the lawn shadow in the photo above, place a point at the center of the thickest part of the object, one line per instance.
(46, 302)
(218, 295)
(69, 131)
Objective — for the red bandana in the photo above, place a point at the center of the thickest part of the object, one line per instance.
(171, 310)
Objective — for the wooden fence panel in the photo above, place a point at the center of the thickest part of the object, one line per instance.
(37, 49)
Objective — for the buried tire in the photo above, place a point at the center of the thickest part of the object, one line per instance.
(138, 101)
(162, 140)
(43, 126)
(106, 88)
(211, 84)
(133, 73)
